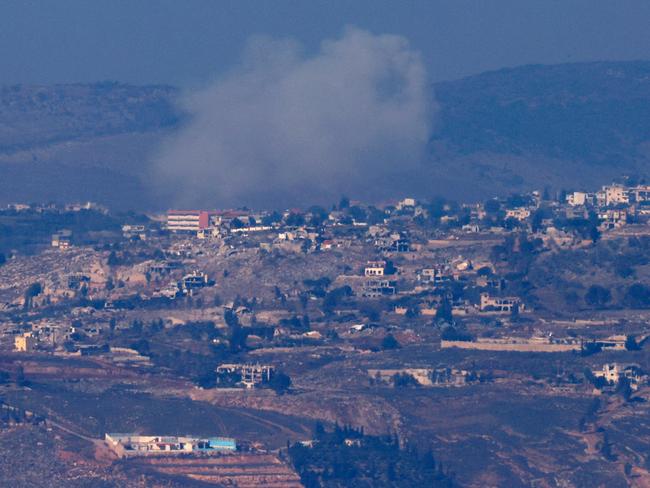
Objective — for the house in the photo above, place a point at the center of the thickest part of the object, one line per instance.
(613, 195)
(580, 198)
(130, 231)
(378, 287)
(25, 342)
(519, 213)
(77, 280)
(194, 280)
(432, 276)
(406, 203)
(613, 218)
(499, 304)
(375, 268)
(612, 373)
(62, 240)
(250, 374)
(640, 193)
(126, 445)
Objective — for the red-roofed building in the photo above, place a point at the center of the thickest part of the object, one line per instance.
(187, 220)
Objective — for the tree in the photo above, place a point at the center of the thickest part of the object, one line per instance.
(112, 259)
(389, 342)
(597, 296)
(594, 234)
(236, 223)
(444, 312)
(536, 220)
(623, 388)
(453, 334)
(280, 383)
(295, 220)
(20, 377)
(631, 344)
(492, 206)
(32, 291)
(637, 296)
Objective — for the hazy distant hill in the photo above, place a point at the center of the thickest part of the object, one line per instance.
(598, 112)
(497, 132)
(81, 141)
(33, 116)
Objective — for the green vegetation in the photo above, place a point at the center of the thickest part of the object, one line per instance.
(346, 457)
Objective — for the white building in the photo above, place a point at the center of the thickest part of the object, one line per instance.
(614, 194)
(578, 198)
(499, 304)
(375, 268)
(24, 342)
(520, 213)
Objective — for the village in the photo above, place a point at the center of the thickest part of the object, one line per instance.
(272, 310)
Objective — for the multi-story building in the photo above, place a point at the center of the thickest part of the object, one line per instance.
(378, 287)
(578, 198)
(187, 220)
(613, 195)
(250, 374)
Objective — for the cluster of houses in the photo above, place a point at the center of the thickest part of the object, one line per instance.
(411, 254)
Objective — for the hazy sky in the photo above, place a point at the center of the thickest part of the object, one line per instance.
(187, 41)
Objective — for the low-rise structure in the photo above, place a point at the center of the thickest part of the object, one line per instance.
(375, 268)
(126, 445)
(24, 342)
(612, 373)
(248, 375)
(499, 304)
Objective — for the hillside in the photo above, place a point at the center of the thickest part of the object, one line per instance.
(597, 111)
(34, 116)
(497, 132)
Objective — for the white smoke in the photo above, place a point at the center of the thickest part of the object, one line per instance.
(288, 128)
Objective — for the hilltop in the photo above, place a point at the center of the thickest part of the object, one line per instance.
(495, 133)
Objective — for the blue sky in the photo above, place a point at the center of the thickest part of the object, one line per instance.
(188, 41)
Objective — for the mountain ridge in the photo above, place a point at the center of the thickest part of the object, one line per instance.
(501, 131)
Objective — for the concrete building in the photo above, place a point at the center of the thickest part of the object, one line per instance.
(25, 342)
(612, 219)
(613, 195)
(613, 372)
(126, 445)
(375, 288)
(578, 198)
(433, 276)
(251, 374)
(375, 268)
(499, 304)
(640, 193)
(187, 220)
(194, 280)
(62, 239)
(519, 213)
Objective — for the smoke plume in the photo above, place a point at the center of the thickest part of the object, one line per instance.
(288, 128)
